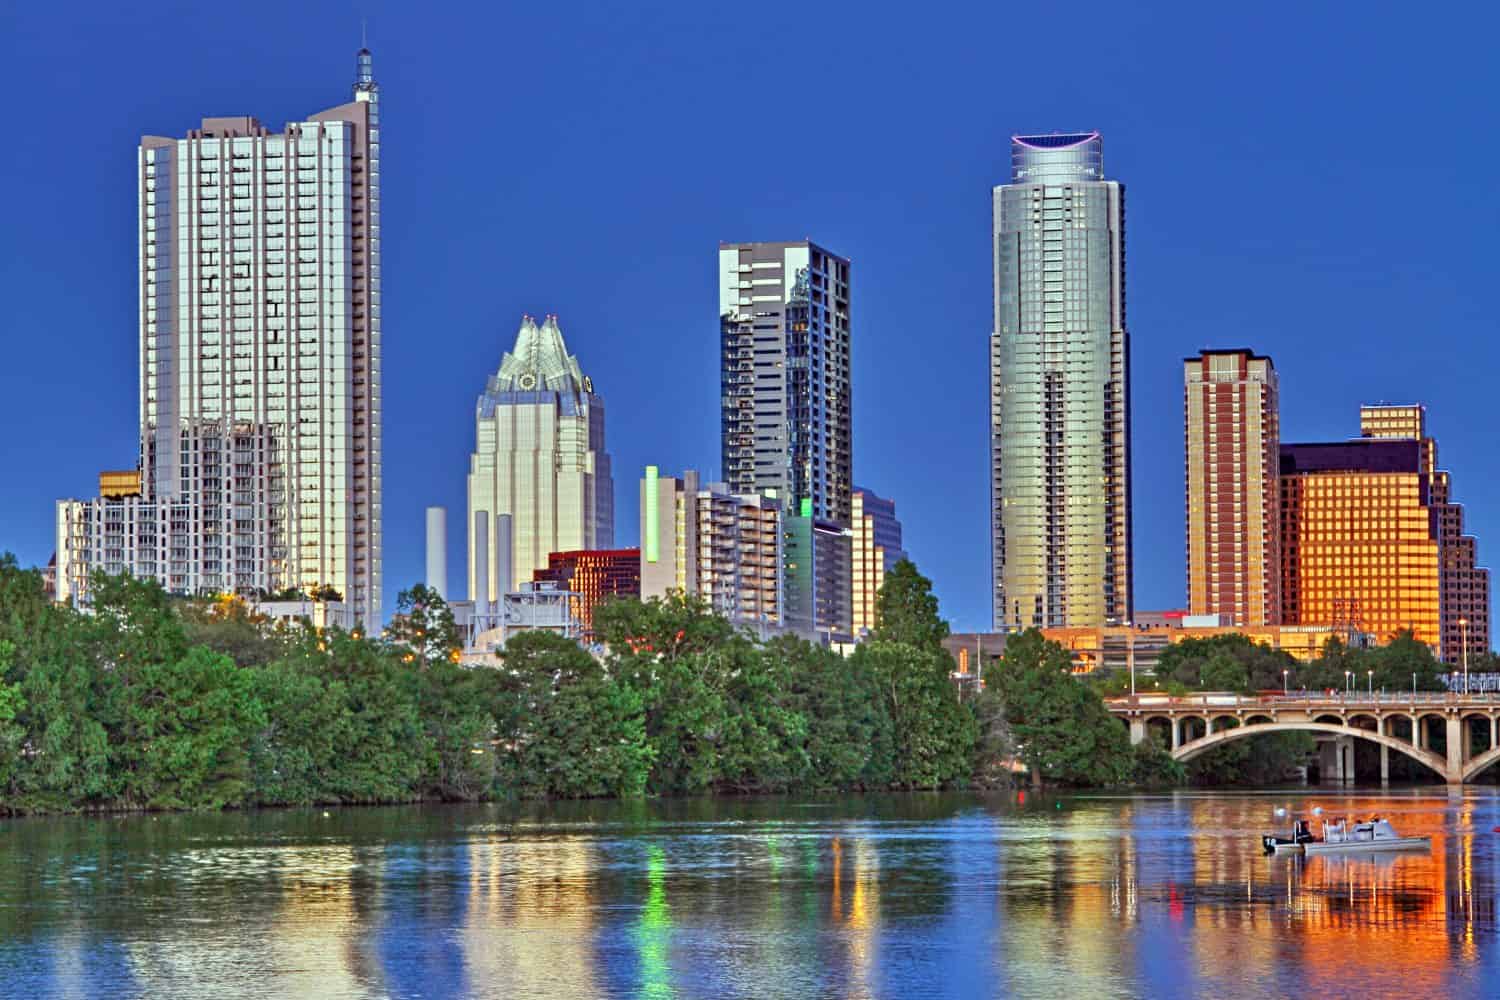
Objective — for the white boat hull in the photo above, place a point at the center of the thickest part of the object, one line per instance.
(1368, 846)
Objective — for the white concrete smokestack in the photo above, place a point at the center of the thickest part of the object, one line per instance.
(437, 550)
(480, 592)
(503, 562)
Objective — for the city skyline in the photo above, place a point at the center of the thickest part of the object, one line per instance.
(1327, 373)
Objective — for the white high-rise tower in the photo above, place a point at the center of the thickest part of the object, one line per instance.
(259, 467)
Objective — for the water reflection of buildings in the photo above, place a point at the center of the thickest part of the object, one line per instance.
(1397, 922)
(1067, 895)
(531, 915)
(854, 908)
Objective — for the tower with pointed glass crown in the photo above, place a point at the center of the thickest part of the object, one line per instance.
(539, 478)
(1059, 390)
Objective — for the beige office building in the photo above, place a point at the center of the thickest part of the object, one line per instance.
(1233, 453)
(539, 473)
(701, 539)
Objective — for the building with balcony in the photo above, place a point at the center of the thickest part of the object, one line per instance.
(786, 412)
(703, 540)
(259, 326)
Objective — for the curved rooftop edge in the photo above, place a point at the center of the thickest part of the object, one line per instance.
(1056, 140)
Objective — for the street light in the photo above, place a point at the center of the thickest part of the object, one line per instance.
(1463, 628)
(1286, 688)
(1371, 675)
(1348, 682)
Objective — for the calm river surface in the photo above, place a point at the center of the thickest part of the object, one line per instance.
(892, 896)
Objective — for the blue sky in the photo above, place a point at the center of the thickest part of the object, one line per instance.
(1308, 181)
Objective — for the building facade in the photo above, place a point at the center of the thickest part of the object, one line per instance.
(1059, 390)
(1359, 539)
(539, 461)
(703, 540)
(1233, 441)
(876, 548)
(596, 576)
(259, 466)
(787, 432)
(1463, 587)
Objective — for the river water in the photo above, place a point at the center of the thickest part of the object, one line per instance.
(890, 896)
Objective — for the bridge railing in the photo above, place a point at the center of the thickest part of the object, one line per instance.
(1342, 700)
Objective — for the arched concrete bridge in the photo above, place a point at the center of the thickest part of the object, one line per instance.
(1407, 724)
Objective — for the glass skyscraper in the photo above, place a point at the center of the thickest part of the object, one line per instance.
(786, 412)
(259, 366)
(1059, 390)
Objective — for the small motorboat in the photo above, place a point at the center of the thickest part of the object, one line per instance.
(1288, 845)
(1340, 837)
(1368, 837)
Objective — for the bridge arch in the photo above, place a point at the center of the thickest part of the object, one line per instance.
(1427, 758)
(1480, 762)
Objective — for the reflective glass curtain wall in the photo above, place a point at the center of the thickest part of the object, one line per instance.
(1059, 390)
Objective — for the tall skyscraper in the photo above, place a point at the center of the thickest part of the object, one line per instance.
(877, 549)
(1059, 390)
(1359, 538)
(786, 427)
(1233, 421)
(701, 539)
(260, 334)
(1464, 588)
(539, 459)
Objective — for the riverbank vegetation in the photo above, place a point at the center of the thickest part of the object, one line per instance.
(156, 702)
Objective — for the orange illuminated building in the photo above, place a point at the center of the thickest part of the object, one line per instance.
(1359, 538)
(1232, 418)
(114, 485)
(1463, 588)
(596, 575)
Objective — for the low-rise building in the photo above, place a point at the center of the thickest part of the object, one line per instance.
(724, 547)
(595, 575)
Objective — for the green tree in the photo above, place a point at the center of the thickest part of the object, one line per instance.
(568, 729)
(907, 611)
(297, 754)
(1061, 728)
(195, 718)
(1223, 672)
(932, 735)
(424, 624)
(762, 739)
(12, 703)
(666, 651)
(1238, 664)
(226, 624)
(995, 744)
(847, 731)
(454, 704)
